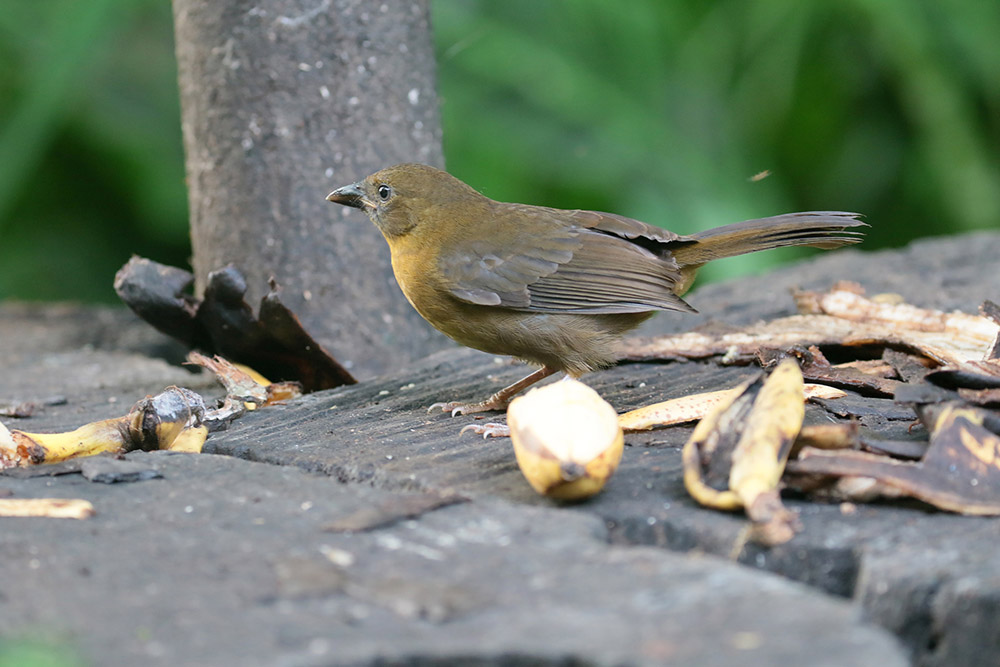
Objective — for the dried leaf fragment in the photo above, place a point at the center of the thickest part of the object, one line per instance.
(244, 383)
(240, 383)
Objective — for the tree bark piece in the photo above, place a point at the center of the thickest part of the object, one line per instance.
(282, 101)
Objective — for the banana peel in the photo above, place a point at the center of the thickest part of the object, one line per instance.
(108, 435)
(566, 439)
(695, 406)
(246, 389)
(176, 419)
(959, 473)
(827, 436)
(171, 420)
(53, 508)
(737, 454)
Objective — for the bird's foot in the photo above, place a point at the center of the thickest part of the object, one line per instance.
(457, 408)
(496, 402)
(488, 430)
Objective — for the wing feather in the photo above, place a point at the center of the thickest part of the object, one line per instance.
(572, 262)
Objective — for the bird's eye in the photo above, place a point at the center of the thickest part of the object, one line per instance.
(384, 192)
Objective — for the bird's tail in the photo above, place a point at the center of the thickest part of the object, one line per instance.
(819, 229)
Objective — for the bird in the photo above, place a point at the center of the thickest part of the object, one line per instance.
(552, 287)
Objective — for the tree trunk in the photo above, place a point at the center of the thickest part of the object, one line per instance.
(282, 101)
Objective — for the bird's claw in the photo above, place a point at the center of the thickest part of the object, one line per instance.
(488, 430)
(456, 408)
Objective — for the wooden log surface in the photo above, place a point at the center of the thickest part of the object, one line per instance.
(251, 535)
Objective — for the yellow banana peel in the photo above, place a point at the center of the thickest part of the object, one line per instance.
(109, 435)
(189, 439)
(176, 419)
(695, 406)
(170, 420)
(741, 448)
(566, 439)
(775, 421)
(54, 508)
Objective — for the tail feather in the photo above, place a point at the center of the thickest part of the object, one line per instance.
(819, 229)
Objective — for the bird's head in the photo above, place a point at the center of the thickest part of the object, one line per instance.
(400, 198)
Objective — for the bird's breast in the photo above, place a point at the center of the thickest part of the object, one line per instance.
(418, 276)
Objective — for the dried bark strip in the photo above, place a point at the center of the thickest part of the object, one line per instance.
(836, 318)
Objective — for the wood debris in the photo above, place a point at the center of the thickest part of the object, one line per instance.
(272, 340)
(866, 377)
(392, 509)
(841, 317)
(940, 370)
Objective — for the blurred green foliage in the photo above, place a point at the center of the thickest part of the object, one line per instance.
(91, 162)
(52, 651)
(663, 111)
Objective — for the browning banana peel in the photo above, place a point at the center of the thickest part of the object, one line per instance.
(190, 439)
(704, 438)
(752, 433)
(170, 420)
(176, 419)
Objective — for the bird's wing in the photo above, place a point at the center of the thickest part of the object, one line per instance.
(627, 228)
(579, 262)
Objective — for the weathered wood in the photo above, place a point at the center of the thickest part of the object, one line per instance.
(227, 562)
(908, 567)
(930, 577)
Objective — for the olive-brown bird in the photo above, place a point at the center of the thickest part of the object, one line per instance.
(549, 286)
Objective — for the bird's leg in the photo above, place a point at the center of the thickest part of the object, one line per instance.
(494, 430)
(497, 401)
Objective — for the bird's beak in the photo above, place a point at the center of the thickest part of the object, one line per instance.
(350, 195)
